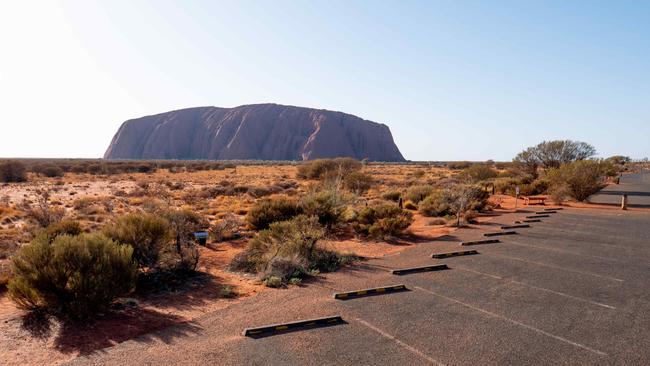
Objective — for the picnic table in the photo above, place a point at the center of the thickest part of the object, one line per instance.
(531, 200)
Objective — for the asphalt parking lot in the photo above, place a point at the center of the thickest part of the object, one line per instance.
(572, 289)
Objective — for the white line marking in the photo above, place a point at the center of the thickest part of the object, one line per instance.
(567, 252)
(529, 327)
(536, 287)
(392, 338)
(556, 267)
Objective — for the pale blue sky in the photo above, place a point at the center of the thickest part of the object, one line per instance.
(454, 80)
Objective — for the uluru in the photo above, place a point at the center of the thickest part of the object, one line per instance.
(257, 131)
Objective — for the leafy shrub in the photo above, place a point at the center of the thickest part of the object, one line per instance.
(268, 211)
(328, 205)
(50, 171)
(455, 200)
(382, 221)
(358, 182)
(392, 196)
(416, 194)
(580, 179)
(478, 172)
(147, 234)
(65, 227)
(324, 168)
(437, 204)
(74, 275)
(458, 165)
(288, 249)
(12, 171)
(272, 281)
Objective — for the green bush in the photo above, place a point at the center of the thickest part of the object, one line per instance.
(65, 227)
(50, 171)
(392, 196)
(74, 275)
(416, 194)
(358, 182)
(580, 179)
(328, 205)
(478, 172)
(437, 204)
(288, 249)
(12, 171)
(267, 211)
(148, 234)
(382, 221)
(327, 168)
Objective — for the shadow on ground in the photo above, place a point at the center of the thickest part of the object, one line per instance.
(83, 338)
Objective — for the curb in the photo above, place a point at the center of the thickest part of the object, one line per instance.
(545, 212)
(522, 226)
(369, 292)
(537, 216)
(553, 209)
(501, 233)
(454, 254)
(478, 242)
(403, 271)
(273, 329)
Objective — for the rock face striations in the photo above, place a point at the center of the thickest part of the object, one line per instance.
(260, 131)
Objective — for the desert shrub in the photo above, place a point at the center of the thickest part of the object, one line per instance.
(416, 194)
(580, 178)
(182, 225)
(268, 211)
(458, 165)
(392, 196)
(455, 200)
(64, 227)
(286, 250)
(382, 221)
(42, 211)
(408, 205)
(437, 204)
(328, 205)
(358, 182)
(478, 172)
(74, 275)
(12, 171)
(227, 228)
(147, 234)
(324, 168)
(50, 171)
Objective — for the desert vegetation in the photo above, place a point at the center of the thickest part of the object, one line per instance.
(77, 234)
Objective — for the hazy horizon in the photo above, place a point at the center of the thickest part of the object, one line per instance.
(453, 80)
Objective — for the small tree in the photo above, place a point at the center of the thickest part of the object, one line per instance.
(580, 179)
(552, 154)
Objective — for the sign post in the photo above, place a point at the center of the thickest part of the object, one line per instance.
(516, 197)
